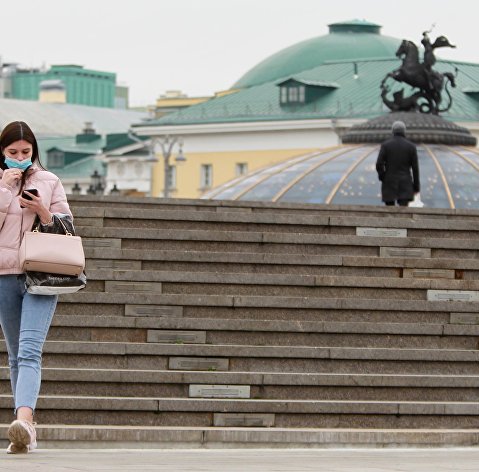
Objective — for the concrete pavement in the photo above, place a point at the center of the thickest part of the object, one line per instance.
(247, 460)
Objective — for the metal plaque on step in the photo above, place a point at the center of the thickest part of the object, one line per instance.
(219, 391)
(415, 253)
(154, 310)
(198, 363)
(101, 242)
(452, 295)
(382, 232)
(251, 420)
(429, 273)
(464, 318)
(180, 337)
(113, 264)
(124, 286)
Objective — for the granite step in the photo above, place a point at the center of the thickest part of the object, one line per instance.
(103, 203)
(217, 261)
(211, 331)
(109, 202)
(266, 221)
(301, 280)
(334, 313)
(280, 386)
(454, 325)
(252, 241)
(189, 357)
(149, 299)
(258, 338)
(157, 411)
(92, 436)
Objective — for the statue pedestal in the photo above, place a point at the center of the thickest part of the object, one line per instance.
(420, 128)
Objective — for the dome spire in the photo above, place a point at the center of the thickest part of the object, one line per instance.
(355, 26)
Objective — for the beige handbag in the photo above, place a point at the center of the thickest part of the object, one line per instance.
(51, 252)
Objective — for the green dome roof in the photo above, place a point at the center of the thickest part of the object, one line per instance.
(356, 39)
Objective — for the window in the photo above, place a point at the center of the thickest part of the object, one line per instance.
(241, 168)
(56, 159)
(293, 94)
(206, 176)
(172, 177)
(302, 94)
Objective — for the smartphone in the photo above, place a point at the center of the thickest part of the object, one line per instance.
(33, 191)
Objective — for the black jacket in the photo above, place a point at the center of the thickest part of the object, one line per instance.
(397, 158)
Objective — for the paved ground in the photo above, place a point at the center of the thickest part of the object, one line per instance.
(247, 460)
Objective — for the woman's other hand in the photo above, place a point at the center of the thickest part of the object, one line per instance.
(11, 176)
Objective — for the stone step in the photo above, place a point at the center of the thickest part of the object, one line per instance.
(101, 203)
(361, 313)
(297, 386)
(149, 299)
(267, 285)
(373, 281)
(234, 220)
(300, 379)
(93, 436)
(201, 412)
(258, 332)
(274, 242)
(229, 351)
(455, 325)
(137, 259)
(258, 338)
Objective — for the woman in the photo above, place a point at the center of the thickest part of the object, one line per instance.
(25, 318)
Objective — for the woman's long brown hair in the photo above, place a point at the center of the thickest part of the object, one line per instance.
(18, 131)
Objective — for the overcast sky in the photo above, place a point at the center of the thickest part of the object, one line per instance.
(204, 46)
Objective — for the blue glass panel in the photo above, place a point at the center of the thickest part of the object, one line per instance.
(433, 193)
(461, 177)
(316, 186)
(362, 187)
(268, 189)
(474, 157)
(230, 192)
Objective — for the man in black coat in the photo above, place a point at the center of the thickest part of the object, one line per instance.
(396, 160)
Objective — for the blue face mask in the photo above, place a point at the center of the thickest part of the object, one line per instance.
(22, 165)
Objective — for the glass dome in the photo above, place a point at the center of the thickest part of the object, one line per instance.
(347, 175)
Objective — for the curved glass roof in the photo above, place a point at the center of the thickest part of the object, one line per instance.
(347, 175)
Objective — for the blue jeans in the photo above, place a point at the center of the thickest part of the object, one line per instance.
(25, 320)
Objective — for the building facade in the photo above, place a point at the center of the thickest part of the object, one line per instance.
(297, 101)
(81, 86)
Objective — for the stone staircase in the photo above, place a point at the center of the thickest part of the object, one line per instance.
(239, 324)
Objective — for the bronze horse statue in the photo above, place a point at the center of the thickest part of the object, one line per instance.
(421, 76)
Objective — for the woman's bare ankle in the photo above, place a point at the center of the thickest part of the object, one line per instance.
(25, 413)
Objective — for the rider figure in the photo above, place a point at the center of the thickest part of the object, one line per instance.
(429, 58)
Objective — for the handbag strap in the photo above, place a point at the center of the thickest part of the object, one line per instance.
(37, 223)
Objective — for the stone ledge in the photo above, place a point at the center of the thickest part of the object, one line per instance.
(157, 437)
(289, 326)
(106, 201)
(318, 215)
(266, 301)
(317, 407)
(284, 352)
(111, 237)
(217, 256)
(255, 378)
(124, 279)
